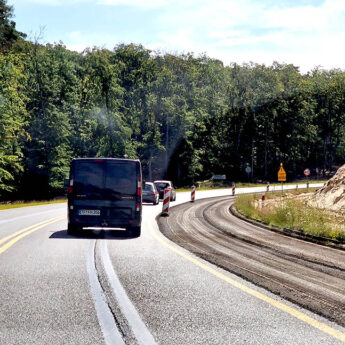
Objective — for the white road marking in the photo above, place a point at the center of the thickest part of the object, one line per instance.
(106, 320)
(141, 332)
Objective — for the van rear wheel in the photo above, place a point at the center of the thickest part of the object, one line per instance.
(135, 231)
(73, 229)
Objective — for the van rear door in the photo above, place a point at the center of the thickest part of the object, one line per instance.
(88, 179)
(105, 192)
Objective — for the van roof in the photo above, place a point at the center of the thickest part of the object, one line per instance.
(105, 158)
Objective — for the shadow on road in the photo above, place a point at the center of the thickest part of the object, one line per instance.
(93, 235)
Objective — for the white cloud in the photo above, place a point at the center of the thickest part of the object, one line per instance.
(51, 2)
(132, 3)
(78, 41)
(236, 31)
(249, 31)
(179, 39)
(41, 2)
(135, 3)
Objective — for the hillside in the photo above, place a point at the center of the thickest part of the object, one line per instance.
(332, 195)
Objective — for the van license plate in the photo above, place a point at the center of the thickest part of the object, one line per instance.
(89, 212)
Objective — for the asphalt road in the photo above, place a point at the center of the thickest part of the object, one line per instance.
(105, 288)
(303, 272)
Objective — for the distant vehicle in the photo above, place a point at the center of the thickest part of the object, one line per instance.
(150, 193)
(161, 185)
(105, 192)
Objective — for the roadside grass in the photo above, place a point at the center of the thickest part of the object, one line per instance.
(18, 204)
(285, 211)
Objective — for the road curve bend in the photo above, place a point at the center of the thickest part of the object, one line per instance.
(308, 274)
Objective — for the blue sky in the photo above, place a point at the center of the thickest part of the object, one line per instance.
(307, 33)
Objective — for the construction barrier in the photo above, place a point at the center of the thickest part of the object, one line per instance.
(166, 201)
(233, 189)
(192, 196)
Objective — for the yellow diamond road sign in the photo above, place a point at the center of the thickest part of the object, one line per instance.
(281, 174)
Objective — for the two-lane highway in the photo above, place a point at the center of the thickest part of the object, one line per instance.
(108, 289)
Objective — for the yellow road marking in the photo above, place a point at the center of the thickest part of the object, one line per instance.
(25, 232)
(299, 315)
(21, 231)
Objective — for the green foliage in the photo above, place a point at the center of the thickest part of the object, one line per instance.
(13, 117)
(185, 117)
(245, 204)
(8, 33)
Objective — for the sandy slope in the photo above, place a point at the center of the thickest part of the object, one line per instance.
(332, 195)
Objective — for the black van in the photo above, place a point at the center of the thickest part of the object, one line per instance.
(105, 192)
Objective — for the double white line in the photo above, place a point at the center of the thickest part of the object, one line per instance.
(112, 334)
(10, 240)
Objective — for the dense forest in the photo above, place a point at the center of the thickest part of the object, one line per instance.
(185, 117)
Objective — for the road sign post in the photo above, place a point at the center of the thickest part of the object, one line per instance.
(248, 171)
(282, 175)
(306, 173)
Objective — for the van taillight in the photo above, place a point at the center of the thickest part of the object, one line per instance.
(139, 189)
(69, 190)
(98, 160)
(137, 207)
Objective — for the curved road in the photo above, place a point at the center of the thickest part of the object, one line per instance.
(105, 288)
(309, 274)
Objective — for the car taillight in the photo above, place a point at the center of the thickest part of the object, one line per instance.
(153, 192)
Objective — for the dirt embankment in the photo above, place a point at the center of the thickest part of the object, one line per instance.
(332, 195)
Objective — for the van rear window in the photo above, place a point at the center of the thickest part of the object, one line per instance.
(121, 177)
(88, 177)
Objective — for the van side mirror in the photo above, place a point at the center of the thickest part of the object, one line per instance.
(66, 182)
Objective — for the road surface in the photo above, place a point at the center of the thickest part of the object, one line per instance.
(105, 288)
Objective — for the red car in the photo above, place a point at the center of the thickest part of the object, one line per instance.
(161, 185)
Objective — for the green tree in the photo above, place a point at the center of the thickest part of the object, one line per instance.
(102, 99)
(13, 117)
(47, 152)
(8, 32)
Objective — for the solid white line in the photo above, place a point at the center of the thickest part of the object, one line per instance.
(110, 332)
(141, 332)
